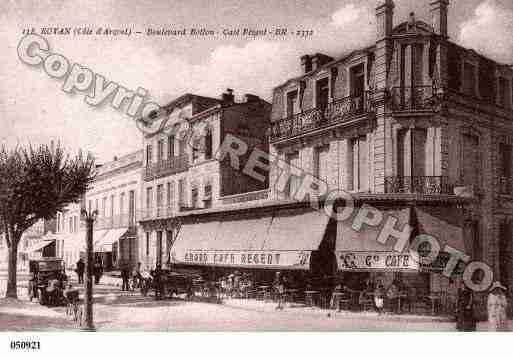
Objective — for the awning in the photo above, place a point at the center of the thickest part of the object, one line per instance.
(445, 224)
(111, 236)
(38, 246)
(284, 240)
(361, 251)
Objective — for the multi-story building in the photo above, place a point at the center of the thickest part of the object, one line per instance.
(114, 195)
(415, 125)
(182, 173)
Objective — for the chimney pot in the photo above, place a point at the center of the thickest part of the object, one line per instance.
(439, 10)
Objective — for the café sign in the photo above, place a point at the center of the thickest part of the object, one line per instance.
(366, 261)
(285, 259)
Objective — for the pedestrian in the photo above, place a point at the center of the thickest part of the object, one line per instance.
(98, 271)
(497, 306)
(125, 276)
(157, 282)
(393, 296)
(379, 297)
(279, 287)
(466, 321)
(80, 271)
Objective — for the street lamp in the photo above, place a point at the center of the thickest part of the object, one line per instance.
(89, 217)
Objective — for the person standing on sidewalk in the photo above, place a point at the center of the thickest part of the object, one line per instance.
(466, 318)
(497, 306)
(80, 271)
(125, 276)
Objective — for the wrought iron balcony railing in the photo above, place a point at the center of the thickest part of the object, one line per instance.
(418, 98)
(338, 111)
(167, 167)
(116, 221)
(418, 184)
(505, 185)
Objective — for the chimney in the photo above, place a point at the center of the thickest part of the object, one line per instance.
(320, 59)
(306, 64)
(384, 19)
(438, 11)
(228, 97)
(115, 158)
(251, 98)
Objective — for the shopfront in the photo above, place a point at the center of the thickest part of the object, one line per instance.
(284, 240)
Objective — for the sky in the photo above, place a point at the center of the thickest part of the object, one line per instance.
(34, 109)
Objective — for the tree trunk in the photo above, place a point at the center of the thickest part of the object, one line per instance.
(12, 291)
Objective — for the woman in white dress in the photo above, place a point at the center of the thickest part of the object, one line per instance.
(497, 307)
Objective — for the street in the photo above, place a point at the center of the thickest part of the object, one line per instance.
(115, 310)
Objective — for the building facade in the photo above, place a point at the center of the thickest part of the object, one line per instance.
(414, 124)
(115, 195)
(182, 172)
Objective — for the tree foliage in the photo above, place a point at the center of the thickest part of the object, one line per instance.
(35, 183)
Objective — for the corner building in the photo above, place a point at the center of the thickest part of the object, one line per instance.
(416, 126)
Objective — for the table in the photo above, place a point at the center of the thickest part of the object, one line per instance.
(309, 297)
(264, 291)
(290, 294)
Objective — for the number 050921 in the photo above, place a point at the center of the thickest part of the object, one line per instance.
(25, 345)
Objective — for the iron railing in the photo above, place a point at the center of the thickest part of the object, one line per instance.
(418, 184)
(338, 111)
(417, 98)
(166, 167)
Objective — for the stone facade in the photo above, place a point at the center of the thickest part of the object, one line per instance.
(433, 119)
(182, 173)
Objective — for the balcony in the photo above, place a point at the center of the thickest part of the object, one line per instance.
(117, 221)
(339, 111)
(505, 186)
(411, 99)
(166, 167)
(419, 185)
(156, 213)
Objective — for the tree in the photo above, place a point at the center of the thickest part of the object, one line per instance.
(35, 183)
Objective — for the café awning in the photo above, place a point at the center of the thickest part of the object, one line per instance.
(445, 224)
(282, 240)
(359, 250)
(104, 244)
(38, 246)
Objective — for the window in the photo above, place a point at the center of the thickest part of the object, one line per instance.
(503, 98)
(294, 182)
(149, 197)
(322, 91)
(160, 197)
(208, 144)
(90, 206)
(160, 150)
(112, 198)
(131, 208)
(471, 163)
(182, 144)
(505, 253)
(122, 203)
(75, 223)
(147, 243)
(194, 197)
(181, 192)
(149, 155)
(196, 147)
(104, 206)
(321, 162)
(169, 193)
(360, 159)
(469, 79)
(170, 146)
(505, 153)
(96, 207)
(71, 224)
(169, 243)
(292, 103)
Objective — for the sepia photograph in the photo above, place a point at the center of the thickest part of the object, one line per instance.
(255, 166)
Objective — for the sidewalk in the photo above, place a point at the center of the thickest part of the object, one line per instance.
(300, 309)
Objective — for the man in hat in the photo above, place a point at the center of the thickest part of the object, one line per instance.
(497, 306)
